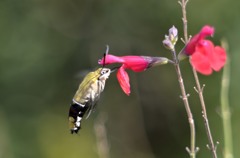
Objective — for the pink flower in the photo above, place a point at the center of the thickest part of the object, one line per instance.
(204, 56)
(134, 63)
(205, 31)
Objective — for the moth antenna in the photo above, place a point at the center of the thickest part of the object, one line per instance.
(107, 50)
(104, 55)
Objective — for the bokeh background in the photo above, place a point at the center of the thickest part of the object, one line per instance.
(47, 46)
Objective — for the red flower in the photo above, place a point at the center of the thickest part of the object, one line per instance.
(204, 56)
(135, 63)
(205, 31)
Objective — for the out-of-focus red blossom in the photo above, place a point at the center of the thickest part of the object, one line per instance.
(134, 63)
(204, 56)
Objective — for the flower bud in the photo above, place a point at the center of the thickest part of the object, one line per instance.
(171, 39)
(168, 44)
(173, 35)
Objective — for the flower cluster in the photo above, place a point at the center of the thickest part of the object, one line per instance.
(204, 56)
(134, 63)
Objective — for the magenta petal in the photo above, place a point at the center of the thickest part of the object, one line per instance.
(208, 57)
(190, 47)
(201, 63)
(216, 55)
(201, 58)
(206, 31)
(219, 58)
(206, 47)
(135, 63)
(123, 80)
(110, 59)
(195, 40)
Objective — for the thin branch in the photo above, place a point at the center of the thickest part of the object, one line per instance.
(183, 4)
(192, 150)
(211, 145)
(198, 89)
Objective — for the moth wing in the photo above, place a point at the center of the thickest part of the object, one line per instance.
(94, 97)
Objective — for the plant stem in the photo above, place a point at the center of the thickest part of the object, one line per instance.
(226, 114)
(198, 89)
(192, 151)
(184, 19)
(101, 136)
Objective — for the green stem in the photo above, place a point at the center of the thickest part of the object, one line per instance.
(226, 114)
(101, 136)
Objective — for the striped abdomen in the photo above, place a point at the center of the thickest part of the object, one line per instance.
(75, 115)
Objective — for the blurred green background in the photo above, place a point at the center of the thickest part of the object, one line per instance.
(47, 45)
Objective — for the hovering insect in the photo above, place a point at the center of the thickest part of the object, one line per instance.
(87, 95)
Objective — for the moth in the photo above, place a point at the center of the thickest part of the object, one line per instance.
(87, 95)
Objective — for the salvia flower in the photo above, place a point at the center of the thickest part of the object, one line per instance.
(204, 56)
(195, 40)
(134, 63)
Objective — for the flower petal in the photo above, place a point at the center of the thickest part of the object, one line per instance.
(123, 80)
(219, 58)
(135, 63)
(110, 59)
(200, 62)
(141, 63)
(216, 55)
(206, 47)
(205, 31)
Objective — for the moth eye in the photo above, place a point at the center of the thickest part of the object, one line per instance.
(104, 71)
